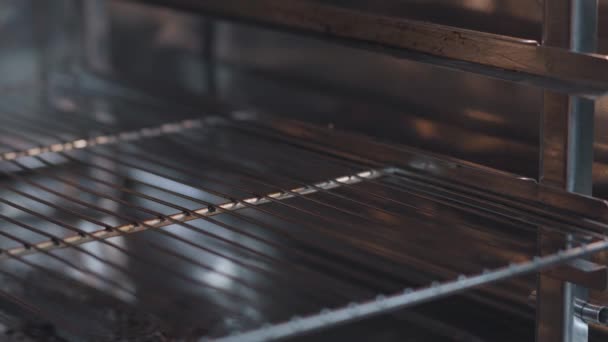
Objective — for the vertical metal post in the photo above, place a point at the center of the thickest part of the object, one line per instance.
(583, 38)
(56, 30)
(42, 25)
(566, 161)
(208, 53)
(96, 51)
(96, 35)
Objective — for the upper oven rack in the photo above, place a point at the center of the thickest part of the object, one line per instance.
(512, 59)
(327, 221)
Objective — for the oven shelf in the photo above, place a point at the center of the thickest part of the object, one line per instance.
(254, 220)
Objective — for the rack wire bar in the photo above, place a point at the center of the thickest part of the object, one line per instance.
(109, 139)
(155, 223)
(382, 305)
(498, 56)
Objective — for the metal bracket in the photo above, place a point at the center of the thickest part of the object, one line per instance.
(582, 272)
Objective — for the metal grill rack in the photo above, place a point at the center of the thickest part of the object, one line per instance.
(128, 218)
(258, 220)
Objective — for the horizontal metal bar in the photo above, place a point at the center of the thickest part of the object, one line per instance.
(504, 57)
(107, 139)
(383, 305)
(131, 228)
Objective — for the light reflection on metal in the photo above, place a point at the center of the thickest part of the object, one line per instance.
(485, 116)
(425, 128)
(485, 6)
(168, 128)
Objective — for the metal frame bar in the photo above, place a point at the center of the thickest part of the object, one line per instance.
(567, 137)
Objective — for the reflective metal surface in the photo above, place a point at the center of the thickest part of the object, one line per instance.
(92, 158)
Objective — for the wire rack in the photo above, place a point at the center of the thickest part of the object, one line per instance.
(246, 227)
